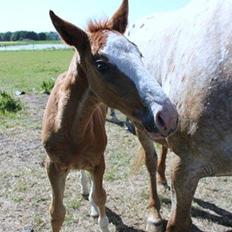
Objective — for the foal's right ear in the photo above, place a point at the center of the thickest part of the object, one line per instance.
(71, 34)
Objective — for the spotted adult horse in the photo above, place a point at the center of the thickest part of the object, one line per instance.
(189, 52)
(107, 69)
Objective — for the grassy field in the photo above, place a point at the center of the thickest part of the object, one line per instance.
(26, 70)
(26, 42)
(25, 190)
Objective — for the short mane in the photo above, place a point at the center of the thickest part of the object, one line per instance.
(95, 26)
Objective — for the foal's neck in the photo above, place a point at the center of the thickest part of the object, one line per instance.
(82, 101)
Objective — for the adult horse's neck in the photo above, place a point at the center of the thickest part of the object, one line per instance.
(78, 103)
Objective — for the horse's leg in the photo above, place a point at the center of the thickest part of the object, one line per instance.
(185, 177)
(154, 221)
(57, 177)
(84, 183)
(161, 167)
(98, 196)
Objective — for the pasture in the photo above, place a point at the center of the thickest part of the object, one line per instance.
(27, 42)
(25, 190)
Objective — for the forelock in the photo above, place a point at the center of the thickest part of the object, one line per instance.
(98, 40)
(96, 26)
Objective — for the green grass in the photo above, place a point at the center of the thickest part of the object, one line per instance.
(11, 111)
(46, 86)
(115, 171)
(8, 104)
(27, 42)
(74, 203)
(12, 120)
(26, 70)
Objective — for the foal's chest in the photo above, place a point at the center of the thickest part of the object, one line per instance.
(89, 148)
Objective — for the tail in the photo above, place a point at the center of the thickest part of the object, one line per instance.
(138, 162)
(140, 158)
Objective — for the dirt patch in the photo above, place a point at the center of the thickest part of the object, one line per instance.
(25, 190)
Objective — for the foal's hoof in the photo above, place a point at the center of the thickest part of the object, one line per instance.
(154, 226)
(104, 223)
(163, 187)
(94, 212)
(85, 192)
(85, 196)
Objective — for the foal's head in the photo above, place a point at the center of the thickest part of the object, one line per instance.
(116, 74)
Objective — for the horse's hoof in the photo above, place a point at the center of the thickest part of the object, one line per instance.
(154, 226)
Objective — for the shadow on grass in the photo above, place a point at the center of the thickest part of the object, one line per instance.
(116, 220)
(223, 217)
(220, 216)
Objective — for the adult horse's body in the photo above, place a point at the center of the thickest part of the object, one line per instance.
(189, 52)
(106, 68)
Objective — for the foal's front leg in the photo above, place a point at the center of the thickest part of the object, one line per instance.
(154, 221)
(57, 176)
(97, 196)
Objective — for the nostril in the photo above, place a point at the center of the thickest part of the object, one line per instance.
(160, 121)
(149, 122)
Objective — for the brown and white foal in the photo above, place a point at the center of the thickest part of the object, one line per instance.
(106, 68)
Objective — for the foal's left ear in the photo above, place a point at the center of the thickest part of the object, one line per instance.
(119, 20)
(71, 34)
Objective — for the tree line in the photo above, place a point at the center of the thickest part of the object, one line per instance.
(28, 35)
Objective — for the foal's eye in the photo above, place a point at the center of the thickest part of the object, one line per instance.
(102, 66)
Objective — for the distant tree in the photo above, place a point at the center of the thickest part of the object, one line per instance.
(31, 35)
(15, 36)
(28, 35)
(22, 35)
(7, 36)
(42, 36)
(52, 35)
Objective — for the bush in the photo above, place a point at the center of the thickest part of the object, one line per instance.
(8, 103)
(47, 86)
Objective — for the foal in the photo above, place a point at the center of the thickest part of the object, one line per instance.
(106, 68)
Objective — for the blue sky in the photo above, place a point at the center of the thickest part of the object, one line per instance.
(33, 14)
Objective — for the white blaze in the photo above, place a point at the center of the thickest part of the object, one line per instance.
(126, 56)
